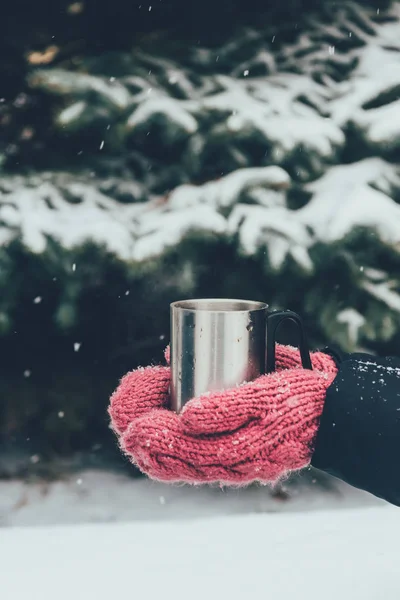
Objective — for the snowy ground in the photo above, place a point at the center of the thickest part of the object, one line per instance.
(99, 497)
(325, 555)
(100, 535)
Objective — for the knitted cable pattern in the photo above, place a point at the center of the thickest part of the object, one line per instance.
(288, 357)
(258, 431)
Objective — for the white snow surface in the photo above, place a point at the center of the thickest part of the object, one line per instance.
(349, 555)
(92, 496)
(100, 535)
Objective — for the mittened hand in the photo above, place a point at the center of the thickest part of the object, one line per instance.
(258, 431)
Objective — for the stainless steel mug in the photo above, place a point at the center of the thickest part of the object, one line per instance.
(220, 343)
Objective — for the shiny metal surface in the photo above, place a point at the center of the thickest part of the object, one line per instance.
(215, 344)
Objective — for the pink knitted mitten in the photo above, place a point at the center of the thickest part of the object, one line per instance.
(258, 431)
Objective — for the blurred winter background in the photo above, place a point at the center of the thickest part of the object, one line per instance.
(154, 150)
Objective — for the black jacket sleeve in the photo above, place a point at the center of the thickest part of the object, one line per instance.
(358, 440)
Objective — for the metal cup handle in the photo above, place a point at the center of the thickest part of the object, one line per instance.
(275, 319)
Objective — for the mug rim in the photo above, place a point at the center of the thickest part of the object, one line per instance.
(227, 305)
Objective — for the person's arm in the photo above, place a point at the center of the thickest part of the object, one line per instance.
(343, 417)
(358, 438)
